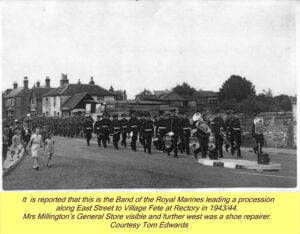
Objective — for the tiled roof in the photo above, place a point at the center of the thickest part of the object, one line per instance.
(73, 101)
(71, 89)
(172, 96)
(39, 92)
(18, 92)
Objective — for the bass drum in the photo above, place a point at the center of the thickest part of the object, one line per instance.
(168, 142)
(194, 143)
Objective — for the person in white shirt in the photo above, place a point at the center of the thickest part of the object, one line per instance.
(36, 144)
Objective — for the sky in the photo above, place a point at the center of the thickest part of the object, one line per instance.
(150, 44)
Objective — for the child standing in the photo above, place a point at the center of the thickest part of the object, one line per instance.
(49, 148)
(16, 146)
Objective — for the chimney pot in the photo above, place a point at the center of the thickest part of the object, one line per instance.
(92, 81)
(47, 82)
(25, 82)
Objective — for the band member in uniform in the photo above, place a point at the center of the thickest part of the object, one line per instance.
(97, 127)
(180, 133)
(236, 134)
(217, 125)
(161, 130)
(124, 129)
(258, 133)
(147, 131)
(141, 135)
(228, 130)
(105, 125)
(88, 129)
(134, 129)
(202, 133)
(115, 130)
(173, 126)
(186, 128)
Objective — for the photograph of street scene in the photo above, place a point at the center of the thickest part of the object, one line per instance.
(148, 94)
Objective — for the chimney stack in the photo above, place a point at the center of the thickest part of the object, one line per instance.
(64, 79)
(38, 84)
(15, 85)
(47, 81)
(92, 81)
(25, 82)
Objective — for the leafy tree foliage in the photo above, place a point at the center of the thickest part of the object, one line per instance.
(184, 90)
(237, 88)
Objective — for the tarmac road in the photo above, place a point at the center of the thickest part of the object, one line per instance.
(77, 166)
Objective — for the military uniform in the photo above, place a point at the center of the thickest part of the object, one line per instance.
(174, 126)
(236, 136)
(217, 124)
(228, 129)
(124, 130)
(97, 127)
(134, 126)
(202, 134)
(147, 130)
(258, 134)
(115, 131)
(105, 125)
(186, 128)
(161, 130)
(141, 134)
(88, 129)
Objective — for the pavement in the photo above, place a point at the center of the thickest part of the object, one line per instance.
(77, 166)
(11, 162)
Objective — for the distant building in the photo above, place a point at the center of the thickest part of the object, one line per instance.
(207, 100)
(35, 98)
(4, 111)
(17, 103)
(54, 100)
(176, 100)
(120, 95)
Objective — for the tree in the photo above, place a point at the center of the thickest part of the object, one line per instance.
(237, 88)
(184, 90)
(283, 102)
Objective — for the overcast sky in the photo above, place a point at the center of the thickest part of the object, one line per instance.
(134, 45)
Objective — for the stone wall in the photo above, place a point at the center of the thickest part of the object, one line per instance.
(279, 130)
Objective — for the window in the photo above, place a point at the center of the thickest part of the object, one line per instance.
(54, 101)
(100, 98)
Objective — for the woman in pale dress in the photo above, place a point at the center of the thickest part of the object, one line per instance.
(36, 144)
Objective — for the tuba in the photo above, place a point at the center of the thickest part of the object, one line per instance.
(259, 125)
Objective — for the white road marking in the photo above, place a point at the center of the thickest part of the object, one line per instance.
(258, 174)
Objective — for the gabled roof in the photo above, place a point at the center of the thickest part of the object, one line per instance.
(73, 101)
(18, 92)
(71, 89)
(161, 92)
(172, 96)
(7, 91)
(39, 92)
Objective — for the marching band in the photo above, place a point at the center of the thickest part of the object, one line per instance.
(168, 132)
